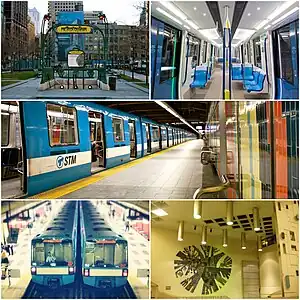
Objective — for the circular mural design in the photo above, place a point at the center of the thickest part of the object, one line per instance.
(205, 263)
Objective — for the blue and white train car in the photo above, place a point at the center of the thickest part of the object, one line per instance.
(53, 252)
(104, 253)
(64, 141)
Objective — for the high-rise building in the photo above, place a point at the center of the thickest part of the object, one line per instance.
(56, 6)
(31, 37)
(15, 29)
(35, 18)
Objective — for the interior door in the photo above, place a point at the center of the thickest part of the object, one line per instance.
(97, 141)
(132, 134)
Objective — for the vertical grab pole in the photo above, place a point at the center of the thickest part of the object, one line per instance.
(224, 66)
(226, 58)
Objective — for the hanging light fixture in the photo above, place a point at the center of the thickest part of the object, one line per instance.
(229, 213)
(180, 231)
(259, 244)
(243, 240)
(225, 238)
(197, 209)
(204, 235)
(256, 219)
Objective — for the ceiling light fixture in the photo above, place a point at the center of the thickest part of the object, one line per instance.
(195, 8)
(267, 27)
(229, 213)
(225, 238)
(256, 224)
(180, 231)
(249, 14)
(259, 244)
(174, 113)
(168, 15)
(197, 209)
(276, 13)
(285, 15)
(258, 8)
(173, 9)
(204, 235)
(187, 27)
(211, 33)
(159, 212)
(243, 240)
(204, 14)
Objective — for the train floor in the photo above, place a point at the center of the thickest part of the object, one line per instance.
(213, 89)
(10, 188)
(21, 286)
(174, 173)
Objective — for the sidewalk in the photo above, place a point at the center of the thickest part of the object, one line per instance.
(21, 260)
(138, 252)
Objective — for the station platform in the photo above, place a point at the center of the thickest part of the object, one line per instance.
(138, 252)
(20, 261)
(174, 173)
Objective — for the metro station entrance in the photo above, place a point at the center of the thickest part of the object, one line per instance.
(12, 151)
(132, 133)
(98, 149)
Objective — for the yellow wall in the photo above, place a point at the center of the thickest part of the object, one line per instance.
(164, 247)
(269, 271)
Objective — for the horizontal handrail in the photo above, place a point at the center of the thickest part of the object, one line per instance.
(213, 189)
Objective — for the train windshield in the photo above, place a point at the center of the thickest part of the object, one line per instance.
(109, 254)
(54, 254)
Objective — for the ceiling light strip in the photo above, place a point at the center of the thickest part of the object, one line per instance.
(174, 113)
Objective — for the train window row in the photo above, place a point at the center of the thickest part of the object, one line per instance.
(4, 129)
(62, 125)
(118, 129)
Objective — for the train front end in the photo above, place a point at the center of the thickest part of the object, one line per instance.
(105, 263)
(52, 262)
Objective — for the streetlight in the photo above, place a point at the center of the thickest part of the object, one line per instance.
(102, 17)
(46, 17)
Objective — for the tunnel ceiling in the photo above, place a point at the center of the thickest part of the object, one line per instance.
(194, 112)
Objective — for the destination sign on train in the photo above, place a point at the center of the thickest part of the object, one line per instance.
(78, 29)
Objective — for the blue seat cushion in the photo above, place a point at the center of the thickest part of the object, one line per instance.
(248, 73)
(254, 81)
(200, 79)
(257, 87)
(237, 73)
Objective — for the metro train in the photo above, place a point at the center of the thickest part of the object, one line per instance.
(104, 253)
(176, 51)
(51, 143)
(53, 252)
(257, 146)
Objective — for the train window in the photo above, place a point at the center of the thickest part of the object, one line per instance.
(99, 254)
(285, 53)
(120, 253)
(62, 125)
(4, 129)
(155, 133)
(118, 129)
(257, 52)
(168, 68)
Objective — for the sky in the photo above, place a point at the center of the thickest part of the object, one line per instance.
(120, 11)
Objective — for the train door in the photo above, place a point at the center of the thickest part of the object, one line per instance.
(165, 53)
(286, 61)
(148, 136)
(97, 139)
(160, 137)
(132, 135)
(13, 170)
(168, 137)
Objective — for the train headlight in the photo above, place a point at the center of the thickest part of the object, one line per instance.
(33, 270)
(86, 272)
(125, 272)
(71, 270)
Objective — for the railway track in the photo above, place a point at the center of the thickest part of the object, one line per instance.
(77, 291)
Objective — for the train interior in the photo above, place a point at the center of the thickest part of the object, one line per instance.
(12, 151)
(261, 42)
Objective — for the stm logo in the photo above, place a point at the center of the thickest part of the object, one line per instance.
(65, 161)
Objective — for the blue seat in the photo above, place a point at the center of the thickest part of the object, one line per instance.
(248, 72)
(200, 77)
(254, 81)
(257, 87)
(237, 72)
